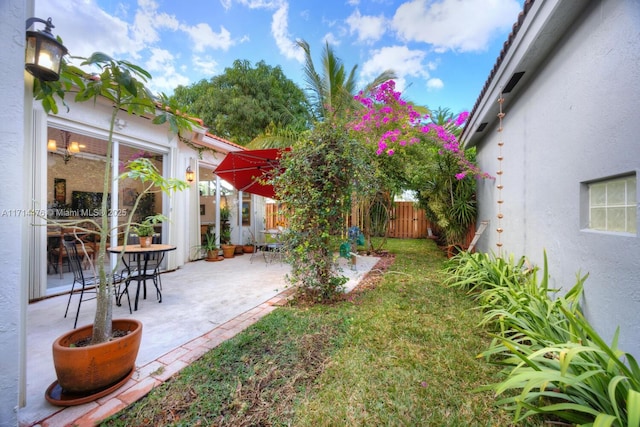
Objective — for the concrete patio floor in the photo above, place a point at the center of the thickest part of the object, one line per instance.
(203, 304)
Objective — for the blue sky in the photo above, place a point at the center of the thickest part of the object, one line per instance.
(441, 50)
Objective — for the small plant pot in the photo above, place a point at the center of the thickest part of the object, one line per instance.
(228, 251)
(238, 250)
(247, 249)
(145, 242)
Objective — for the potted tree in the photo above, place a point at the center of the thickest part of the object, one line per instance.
(89, 361)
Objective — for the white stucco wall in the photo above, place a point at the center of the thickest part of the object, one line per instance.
(12, 306)
(576, 120)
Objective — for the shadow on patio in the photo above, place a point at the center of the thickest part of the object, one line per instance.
(203, 304)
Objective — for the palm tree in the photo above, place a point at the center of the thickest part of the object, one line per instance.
(331, 93)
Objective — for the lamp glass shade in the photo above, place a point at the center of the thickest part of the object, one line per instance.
(51, 145)
(74, 147)
(43, 56)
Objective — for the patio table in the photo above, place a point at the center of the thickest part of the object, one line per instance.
(142, 265)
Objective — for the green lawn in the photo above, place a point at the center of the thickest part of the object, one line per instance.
(402, 353)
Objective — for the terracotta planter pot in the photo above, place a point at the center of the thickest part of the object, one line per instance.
(228, 251)
(145, 241)
(248, 249)
(86, 370)
(238, 250)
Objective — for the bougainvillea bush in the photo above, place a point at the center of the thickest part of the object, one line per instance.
(431, 161)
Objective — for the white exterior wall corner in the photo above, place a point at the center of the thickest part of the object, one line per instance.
(14, 86)
(573, 121)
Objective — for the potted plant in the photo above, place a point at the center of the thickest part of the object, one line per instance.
(249, 246)
(146, 229)
(228, 250)
(88, 360)
(225, 214)
(211, 247)
(239, 250)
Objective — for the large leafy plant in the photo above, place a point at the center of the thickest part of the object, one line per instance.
(555, 363)
(318, 177)
(123, 84)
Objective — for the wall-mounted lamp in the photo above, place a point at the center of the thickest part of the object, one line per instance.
(43, 56)
(70, 148)
(191, 175)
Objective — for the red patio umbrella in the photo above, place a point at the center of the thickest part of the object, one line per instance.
(246, 169)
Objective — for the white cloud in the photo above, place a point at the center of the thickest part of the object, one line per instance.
(368, 28)
(331, 39)
(401, 59)
(166, 83)
(205, 65)
(262, 4)
(280, 32)
(73, 23)
(204, 37)
(435, 84)
(148, 22)
(454, 25)
(165, 76)
(160, 59)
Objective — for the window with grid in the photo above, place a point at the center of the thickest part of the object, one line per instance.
(613, 205)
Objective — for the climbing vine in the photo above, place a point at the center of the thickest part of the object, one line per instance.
(316, 183)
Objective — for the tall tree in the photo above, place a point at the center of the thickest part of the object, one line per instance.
(332, 89)
(244, 101)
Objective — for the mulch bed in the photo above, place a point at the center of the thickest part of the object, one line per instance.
(373, 277)
(369, 281)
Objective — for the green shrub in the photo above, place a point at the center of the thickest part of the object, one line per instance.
(555, 363)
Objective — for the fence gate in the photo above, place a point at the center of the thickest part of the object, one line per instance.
(408, 222)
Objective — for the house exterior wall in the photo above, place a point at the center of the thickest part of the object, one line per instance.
(13, 85)
(576, 120)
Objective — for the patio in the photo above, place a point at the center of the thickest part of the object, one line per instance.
(203, 304)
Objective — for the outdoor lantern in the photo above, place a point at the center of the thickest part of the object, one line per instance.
(191, 175)
(43, 56)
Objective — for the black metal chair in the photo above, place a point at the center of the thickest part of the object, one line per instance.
(142, 267)
(86, 285)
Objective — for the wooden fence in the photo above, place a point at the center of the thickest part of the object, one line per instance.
(407, 222)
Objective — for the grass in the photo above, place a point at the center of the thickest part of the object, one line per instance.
(400, 353)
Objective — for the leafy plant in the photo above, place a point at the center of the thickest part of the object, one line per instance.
(555, 363)
(210, 242)
(225, 213)
(225, 235)
(316, 182)
(146, 227)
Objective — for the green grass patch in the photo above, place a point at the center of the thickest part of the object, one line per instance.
(400, 353)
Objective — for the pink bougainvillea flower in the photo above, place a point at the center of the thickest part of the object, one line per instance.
(391, 121)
